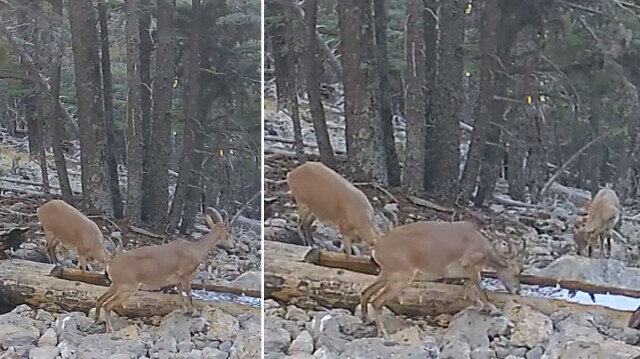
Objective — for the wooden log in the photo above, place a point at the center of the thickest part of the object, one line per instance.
(102, 280)
(25, 282)
(290, 279)
(363, 264)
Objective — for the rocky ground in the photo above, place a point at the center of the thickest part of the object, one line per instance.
(544, 234)
(38, 334)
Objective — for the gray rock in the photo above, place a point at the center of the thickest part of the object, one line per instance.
(97, 346)
(222, 325)
(276, 339)
(296, 314)
(226, 346)
(531, 327)
(50, 352)
(475, 328)
(368, 348)
(165, 343)
(535, 353)
(248, 345)
(185, 347)
(482, 353)
(49, 338)
(67, 350)
(455, 349)
(12, 335)
(211, 353)
(324, 353)
(303, 344)
(177, 325)
(248, 280)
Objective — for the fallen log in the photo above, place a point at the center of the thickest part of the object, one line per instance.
(25, 282)
(101, 280)
(289, 278)
(364, 264)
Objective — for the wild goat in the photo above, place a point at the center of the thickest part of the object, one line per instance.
(158, 266)
(321, 193)
(64, 225)
(436, 249)
(597, 226)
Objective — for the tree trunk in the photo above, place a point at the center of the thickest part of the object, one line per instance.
(279, 53)
(313, 86)
(486, 103)
(27, 282)
(291, 86)
(431, 52)
(95, 174)
(146, 47)
(157, 195)
(135, 129)
(386, 114)
(415, 102)
(366, 160)
(56, 123)
(107, 93)
(444, 166)
(192, 69)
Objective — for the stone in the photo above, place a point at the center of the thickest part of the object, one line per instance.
(408, 336)
(248, 280)
(531, 327)
(185, 347)
(211, 353)
(296, 314)
(475, 328)
(276, 339)
(303, 344)
(103, 345)
(14, 335)
(367, 348)
(49, 352)
(165, 343)
(535, 353)
(222, 325)
(129, 332)
(482, 353)
(324, 353)
(455, 349)
(226, 346)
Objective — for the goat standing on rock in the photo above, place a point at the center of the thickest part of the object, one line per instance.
(435, 249)
(597, 226)
(157, 266)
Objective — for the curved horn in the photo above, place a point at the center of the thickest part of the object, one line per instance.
(211, 214)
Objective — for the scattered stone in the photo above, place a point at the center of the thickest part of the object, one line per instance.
(303, 344)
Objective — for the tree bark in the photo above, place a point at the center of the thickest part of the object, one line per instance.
(443, 171)
(415, 102)
(135, 130)
(386, 113)
(56, 124)
(431, 49)
(146, 47)
(280, 57)
(366, 160)
(27, 282)
(313, 86)
(95, 177)
(156, 205)
(288, 278)
(107, 93)
(192, 70)
(291, 87)
(483, 111)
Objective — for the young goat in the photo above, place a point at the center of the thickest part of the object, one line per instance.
(155, 267)
(436, 249)
(597, 226)
(323, 194)
(66, 226)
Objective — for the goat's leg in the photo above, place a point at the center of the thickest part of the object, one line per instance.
(52, 243)
(370, 290)
(394, 286)
(103, 298)
(82, 263)
(305, 221)
(185, 289)
(116, 300)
